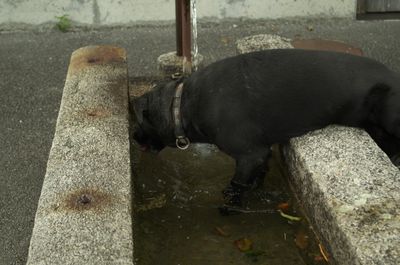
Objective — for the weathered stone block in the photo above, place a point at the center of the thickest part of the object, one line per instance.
(84, 211)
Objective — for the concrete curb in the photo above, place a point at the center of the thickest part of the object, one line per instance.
(349, 189)
(169, 63)
(262, 42)
(84, 211)
(348, 186)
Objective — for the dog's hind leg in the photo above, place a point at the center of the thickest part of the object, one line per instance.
(250, 171)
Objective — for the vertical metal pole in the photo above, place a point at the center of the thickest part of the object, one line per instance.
(178, 22)
(186, 37)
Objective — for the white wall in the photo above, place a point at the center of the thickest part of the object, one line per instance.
(125, 11)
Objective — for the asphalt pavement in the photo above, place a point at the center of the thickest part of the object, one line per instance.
(33, 67)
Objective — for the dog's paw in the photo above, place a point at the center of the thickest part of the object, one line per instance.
(232, 196)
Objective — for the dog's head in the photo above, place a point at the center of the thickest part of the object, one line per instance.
(145, 131)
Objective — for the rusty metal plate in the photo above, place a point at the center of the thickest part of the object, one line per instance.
(326, 45)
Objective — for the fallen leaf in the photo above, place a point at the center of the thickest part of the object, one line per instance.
(283, 206)
(219, 231)
(323, 252)
(243, 244)
(290, 217)
(153, 203)
(319, 258)
(301, 239)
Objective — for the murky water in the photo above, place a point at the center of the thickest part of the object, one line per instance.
(177, 195)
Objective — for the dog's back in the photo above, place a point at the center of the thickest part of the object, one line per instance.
(246, 103)
(287, 92)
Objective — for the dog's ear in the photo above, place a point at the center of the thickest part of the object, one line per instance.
(140, 107)
(375, 101)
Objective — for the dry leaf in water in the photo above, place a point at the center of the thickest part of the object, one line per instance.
(243, 244)
(221, 232)
(283, 206)
(301, 239)
(319, 258)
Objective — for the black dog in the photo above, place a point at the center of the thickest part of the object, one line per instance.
(246, 103)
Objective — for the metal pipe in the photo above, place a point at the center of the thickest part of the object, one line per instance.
(178, 23)
(186, 37)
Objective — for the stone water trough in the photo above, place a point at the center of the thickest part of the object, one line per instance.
(349, 188)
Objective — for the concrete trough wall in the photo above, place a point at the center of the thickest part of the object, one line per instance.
(109, 12)
(348, 187)
(350, 191)
(84, 211)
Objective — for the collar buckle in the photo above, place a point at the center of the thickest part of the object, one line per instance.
(182, 142)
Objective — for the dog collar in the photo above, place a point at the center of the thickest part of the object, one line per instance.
(182, 142)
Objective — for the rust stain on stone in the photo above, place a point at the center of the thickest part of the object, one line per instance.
(97, 113)
(326, 45)
(84, 200)
(95, 55)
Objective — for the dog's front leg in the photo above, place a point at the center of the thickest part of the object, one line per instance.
(250, 171)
